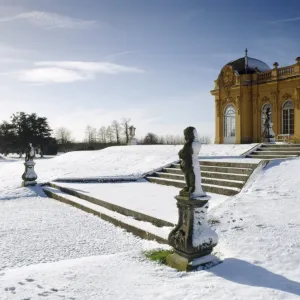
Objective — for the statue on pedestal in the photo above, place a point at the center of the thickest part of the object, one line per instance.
(190, 165)
(192, 238)
(268, 134)
(29, 176)
(132, 140)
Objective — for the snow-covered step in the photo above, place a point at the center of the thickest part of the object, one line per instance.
(262, 156)
(279, 148)
(113, 207)
(208, 174)
(211, 188)
(145, 230)
(228, 164)
(214, 181)
(280, 145)
(276, 152)
(247, 171)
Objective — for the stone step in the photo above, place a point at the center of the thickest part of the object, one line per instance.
(217, 175)
(279, 148)
(270, 156)
(213, 181)
(227, 164)
(247, 171)
(280, 145)
(113, 207)
(267, 152)
(210, 188)
(144, 229)
(222, 169)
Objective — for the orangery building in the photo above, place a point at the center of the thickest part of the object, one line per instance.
(243, 91)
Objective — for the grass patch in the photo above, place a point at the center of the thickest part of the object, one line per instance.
(159, 256)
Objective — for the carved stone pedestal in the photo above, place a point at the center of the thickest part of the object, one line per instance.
(269, 140)
(193, 240)
(29, 177)
(132, 141)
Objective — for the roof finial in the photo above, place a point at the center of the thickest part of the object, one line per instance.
(246, 60)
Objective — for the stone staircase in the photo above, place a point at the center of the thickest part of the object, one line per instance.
(140, 224)
(226, 178)
(275, 151)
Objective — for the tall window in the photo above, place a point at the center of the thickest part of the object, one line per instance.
(288, 118)
(229, 124)
(263, 116)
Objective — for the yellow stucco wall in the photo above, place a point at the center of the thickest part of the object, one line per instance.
(248, 94)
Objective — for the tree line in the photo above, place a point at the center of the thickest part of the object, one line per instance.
(22, 129)
(118, 133)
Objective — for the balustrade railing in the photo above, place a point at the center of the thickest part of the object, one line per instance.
(264, 76)
(285, 71)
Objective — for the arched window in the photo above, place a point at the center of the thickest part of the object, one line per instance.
(288, 117)
(229, 125)
(263, 115)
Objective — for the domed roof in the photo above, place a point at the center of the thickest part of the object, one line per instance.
(239, 65)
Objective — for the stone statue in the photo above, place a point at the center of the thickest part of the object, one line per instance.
(190, 165)
(132, 140)
(268, 134)
(30, 153)
(29, 176)
(192, 238)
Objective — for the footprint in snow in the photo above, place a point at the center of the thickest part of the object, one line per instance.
(10, 289)
(29, 279)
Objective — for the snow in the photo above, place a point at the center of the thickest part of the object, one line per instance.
(119, 162)
(52, 249)
(160, 201)
(202, 233)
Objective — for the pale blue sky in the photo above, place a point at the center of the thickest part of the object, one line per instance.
(89, 62)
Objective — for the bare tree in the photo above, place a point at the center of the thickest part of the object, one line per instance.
(205, 139)
(90, 134)
(125, 125)
(109, 134)
(63, 135)
(170, 139)
(151, 139)
(102, 135)
(116, 128)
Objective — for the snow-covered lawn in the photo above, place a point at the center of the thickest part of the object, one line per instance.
(51, 249)
(151, 199)
(113, 162)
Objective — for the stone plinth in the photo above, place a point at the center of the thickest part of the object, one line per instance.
(29, 177)
(132, 141)
(193, 240)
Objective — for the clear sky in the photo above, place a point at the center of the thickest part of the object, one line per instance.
(88, 62)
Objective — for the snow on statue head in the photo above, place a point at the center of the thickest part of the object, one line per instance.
(189, 163)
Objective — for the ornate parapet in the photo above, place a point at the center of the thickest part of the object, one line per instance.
(297, 96)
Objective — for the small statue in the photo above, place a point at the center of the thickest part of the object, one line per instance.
(190, 165)
(192, 238)
(268, 133)
(30, 153)
(29, 176)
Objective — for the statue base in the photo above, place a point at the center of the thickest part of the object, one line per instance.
(184, 195)
(28, 183)
(269, 140)
(192, 238)
(29, 177)
(132, 142)
(181, 263)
